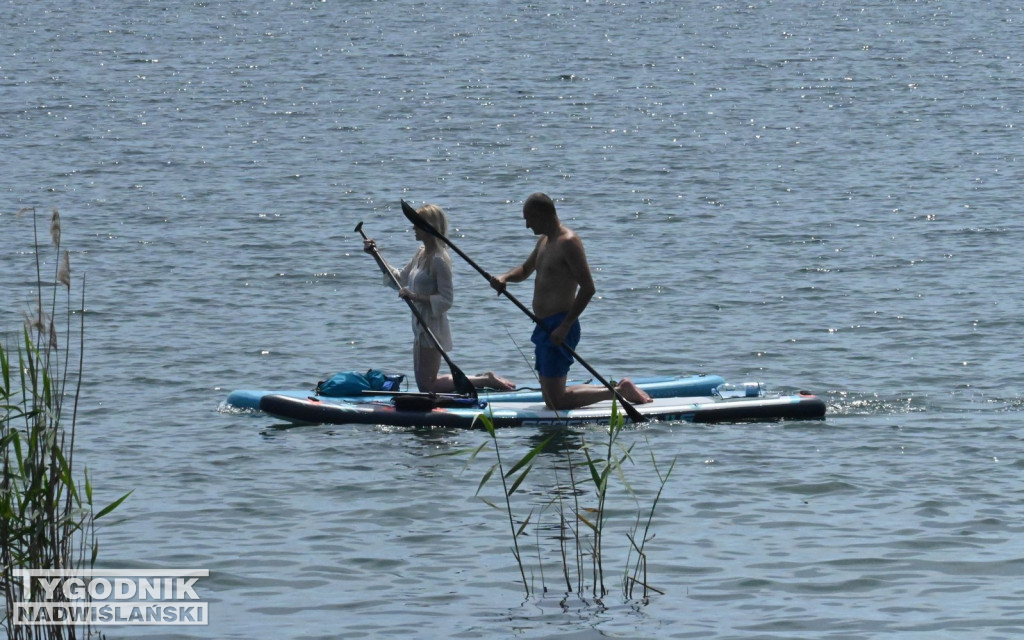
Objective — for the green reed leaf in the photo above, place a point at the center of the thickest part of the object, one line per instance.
(579, 516)
(487, 476)
(528, 457)
(519, 481)
(113, 505)
(519, 531)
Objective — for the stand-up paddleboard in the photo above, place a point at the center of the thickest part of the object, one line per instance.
(707, 409)
(656, 387)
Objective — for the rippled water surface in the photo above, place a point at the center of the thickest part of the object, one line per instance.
(818, 195)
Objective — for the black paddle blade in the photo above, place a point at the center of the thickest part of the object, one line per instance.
(631, 411)
(462, 384)
(418, 220)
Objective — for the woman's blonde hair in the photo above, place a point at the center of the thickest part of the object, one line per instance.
(435, 215)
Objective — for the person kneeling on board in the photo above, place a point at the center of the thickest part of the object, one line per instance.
(426, 281)
(561, 291)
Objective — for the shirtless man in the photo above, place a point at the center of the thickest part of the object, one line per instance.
(561, 292)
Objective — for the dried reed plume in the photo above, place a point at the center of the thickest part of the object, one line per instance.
(39, 322)
(55, 228)
(64, 270)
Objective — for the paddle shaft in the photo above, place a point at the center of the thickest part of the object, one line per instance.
(418, 220)
(462, 383)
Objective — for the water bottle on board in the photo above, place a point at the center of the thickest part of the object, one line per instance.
(740, 390)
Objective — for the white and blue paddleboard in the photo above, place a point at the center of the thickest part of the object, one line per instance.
(691, 399)
(803, 406)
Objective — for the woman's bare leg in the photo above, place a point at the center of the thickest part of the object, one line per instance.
(427, 364)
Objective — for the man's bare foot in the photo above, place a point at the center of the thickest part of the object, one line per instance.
(631, 392)
(496, 382)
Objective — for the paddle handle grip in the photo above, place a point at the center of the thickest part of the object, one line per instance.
(380, 260)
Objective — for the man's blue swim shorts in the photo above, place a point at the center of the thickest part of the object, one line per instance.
(553, 360)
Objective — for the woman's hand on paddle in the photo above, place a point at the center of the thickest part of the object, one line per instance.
(369, 246)
(407, 294)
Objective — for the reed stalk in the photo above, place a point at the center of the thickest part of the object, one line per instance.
(639, 572)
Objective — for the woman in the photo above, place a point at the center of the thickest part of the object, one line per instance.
(427, 282)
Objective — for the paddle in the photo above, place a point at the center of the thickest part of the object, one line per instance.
(462, 383)
(418, 220)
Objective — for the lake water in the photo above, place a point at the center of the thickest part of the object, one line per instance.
(818, 195)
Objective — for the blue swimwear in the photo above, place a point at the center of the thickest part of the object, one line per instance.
(553, 360)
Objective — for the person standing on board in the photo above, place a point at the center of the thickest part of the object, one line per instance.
(561, 291)
(427, 281)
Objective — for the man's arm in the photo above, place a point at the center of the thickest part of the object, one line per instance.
(518, 274)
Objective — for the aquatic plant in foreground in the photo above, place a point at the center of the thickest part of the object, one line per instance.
(582, 529)
(46, 516)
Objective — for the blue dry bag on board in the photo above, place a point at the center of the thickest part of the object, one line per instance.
(353, 383)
